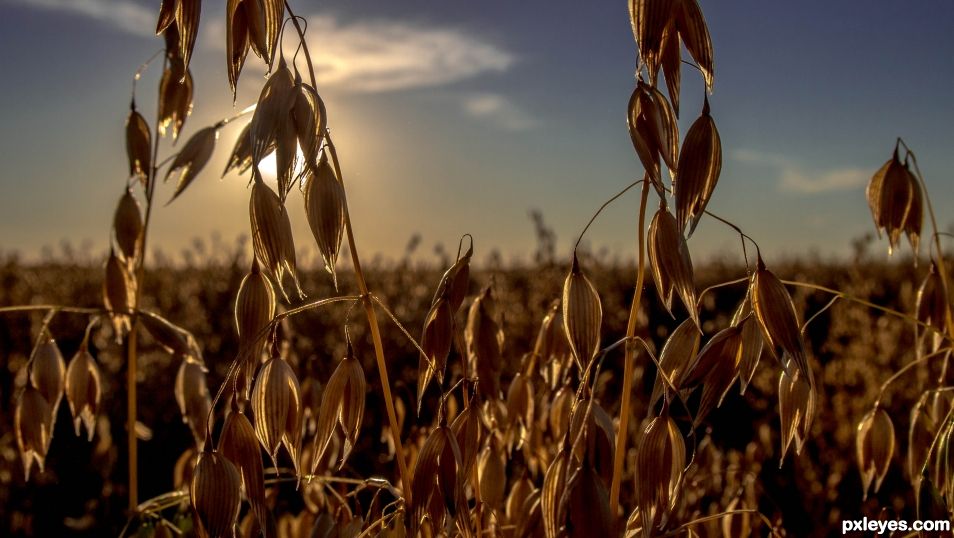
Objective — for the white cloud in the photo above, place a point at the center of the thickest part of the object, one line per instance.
(795, 178)
(497, 110)
(127, 16)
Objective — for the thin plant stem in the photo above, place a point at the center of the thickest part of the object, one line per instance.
(907, 367)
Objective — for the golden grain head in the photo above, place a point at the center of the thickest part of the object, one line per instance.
(751, 350)
(187, 24)
(192, 158)
(138, 145)
(552, 499)
(671, 264)
(699, 167)
(520, 491)
(694, 31)
(677, 355)
(437, 481)
(492, 473)
(175, 97)
(671, 60)
(895, 198)
(455, 282)
(436, 341)
(468, 429)
(325, 210)
(33, 424)
(240, 159)
(484, 340)
(716, 368)
(83, 390)
(796, 408)
(277, 409)
(127, 225)
(649, 19)
(48, 372)
(192, 395)
(254, 310)
(118, 292)
(216, 495)
(582, 315)
(272, 111)
(775, 312)
(272, 236)
(342, 404)
(240, 446)
(167, 15)
(310, 121)
(660, 459)
(874, 445)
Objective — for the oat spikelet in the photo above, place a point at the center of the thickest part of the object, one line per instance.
(237, 38)
(670, 263)
(173, 339)
(127, 226)
(192, 159)
(240, 159)
(216, 493)
(325, 210)
(777, 318)
(83, 390)
(342, 404)
(175, 97)
(138, 145)
(659, 466)
(33, 423)
(192, 395)
(552, 499)
(874, 444)
(700, 163)
(716, 368)
(48, 373)
(187, 24)
(649, 19)
(272, 111)
(437, 482)
(677, 355)
(653, 130)
(484, 340)
(118, 293)
(239, 445)
(254, 310)
(692, 28)
(582, 315)
(277, 409)
(796, 403)
(436, 343)
(271, 235)
(895, 198)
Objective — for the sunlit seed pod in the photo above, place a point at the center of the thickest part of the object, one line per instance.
(588, 508)
(239, 445)
(277, 409)
(325, 210)
(83, 390)
(175, 97)
(895, 198)
(310, 121)
(118, 293)
(649, 19)
(127, 225)
(254, 310)
(700, 163)
(437, 481)
(484, 340)
(692, 28)
(192, 395)
(552, 499)
(551, 338)
(172, 338)
(670, 263)
(342, 404)
(216, 495)
(777, 318)
(192, 158)
(796, 402)
(716, 368)
(660, 460)
(48, 372)
(272, 111)
(677, 355)
(874, 444)
(138, 145)
(240, 159)
(272, 236)
(455, 282)
(273, 14)
(33, 423)
(257, 32)
(663, 126)
(187, 24)
(436, 341)
(644, 123)
(237, 39)
(671, 60)
(520, 402)
(582, 316)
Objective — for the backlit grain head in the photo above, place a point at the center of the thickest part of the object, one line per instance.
(83, 390)
(670, 263)
(653, 131)
(216, 495)
(716, 368)
(175, 97)
(33, 423)
(240, 159)
(272, 236)
(874, 444)
(660, 459)
(192, 158)
(796, 408)
(239, 445)
(342, 405)
(48, 372)
(272, 113)
(118, 293)
(127, 225)
(700, 163)
(484, 339)
(436, 342)
(894, 196)
(777, 318)
(325, 210)
(277, 409)
(254, 309)
(582, 315)
(138, 145)
(437, 481)
(677, 355)
(192, 395)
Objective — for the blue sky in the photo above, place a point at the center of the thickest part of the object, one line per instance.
(460, 117)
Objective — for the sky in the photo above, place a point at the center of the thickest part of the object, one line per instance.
(462, 117)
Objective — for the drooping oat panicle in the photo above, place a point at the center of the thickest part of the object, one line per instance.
(660, 461)
(33, 423)
(325, 210)
(670, 263)
(192, 158)
(48, 372)
(277, 409)
(175, 97)
(582, 315)
(239, 445)
(775, 312)
(716, 368)
(436, 340)
(192, 395)
(83, 390)
(138, 145)
(677, 355)
(796, 409)
(700, 163)
(342, 404)
(437, 482)
(118, 293)
(254, 310)
(216, 495)
(127, 225)
(692, 28)
(874, 444)
(484, 340)
(271, 235)
(894, 196)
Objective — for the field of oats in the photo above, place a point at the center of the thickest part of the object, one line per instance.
(244, 391)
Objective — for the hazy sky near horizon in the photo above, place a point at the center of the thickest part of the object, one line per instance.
(461, 117)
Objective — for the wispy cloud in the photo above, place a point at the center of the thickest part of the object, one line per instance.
(793, 177)
(497, 110)
(129, 17)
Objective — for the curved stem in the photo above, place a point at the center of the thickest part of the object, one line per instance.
(602, 207)
(623, 434)
(907, 367)
(742, 280)
(56, 307)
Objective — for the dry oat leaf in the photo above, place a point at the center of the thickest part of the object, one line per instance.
(192, 395)
(272, 112)
(48, 372)
(692, 27)
(138, 145)
(175, 97)
(271, 235)
(716, 368)
(874, 444)
(342, 404)
(670, 263)
(83, 390)
(582, 315)
(325, 210)
(127, 225)
(796, 402)
(254, 310)
(33, 423)
(894, 196)
(239, 445)
(552, 499)
(216, 495)
(277, 409)
(192, 158)
(484, 340)
(436, 341)
(777, 318)
(237, 30)
(173, 339)
(660, 461)
(649, 19)
(676, 356)
(187, 24)
(588, 508)
(700, 163)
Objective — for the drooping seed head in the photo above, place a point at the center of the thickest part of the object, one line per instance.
(660, 460)
(48, 372)
(484, 340)
(216, 495)
(582, 316)
(192, 158)
(240, 446)
(716, 368)
(895, 198)
(342, 405)
(254, 309)
(272, 236)
(277, 409)
(192, 395)
(138, 145)
(83, 390)
(796, 403)
(670, 263)
(874, 444)
(118, 293)
(700, 163)
(175, 95)
(437, 481)
(325, 210)
(777, 318)
(677, 355)
(436, 342)
(127, 225)
(33, 423)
